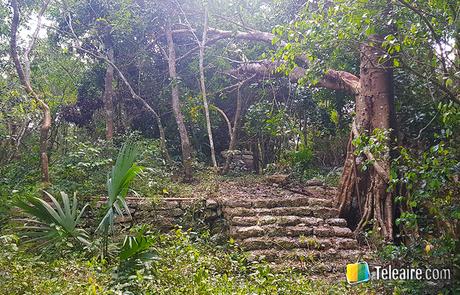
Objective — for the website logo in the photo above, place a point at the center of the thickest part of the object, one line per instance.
(358, 272)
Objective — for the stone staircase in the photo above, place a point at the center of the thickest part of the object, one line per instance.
(291, 229)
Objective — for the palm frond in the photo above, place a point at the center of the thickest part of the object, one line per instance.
(51, 222)
(118, 182)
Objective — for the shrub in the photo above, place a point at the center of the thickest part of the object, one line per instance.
(24, 274)
(52, 226)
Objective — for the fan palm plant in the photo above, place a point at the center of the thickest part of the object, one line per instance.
(118, 181)
(52, 223)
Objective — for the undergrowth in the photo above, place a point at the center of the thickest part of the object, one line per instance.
(180, 263)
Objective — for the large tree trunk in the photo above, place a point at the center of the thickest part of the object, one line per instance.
(24, 78)
(185, 141)
(108, 94)
(203, 89)
(363, 196)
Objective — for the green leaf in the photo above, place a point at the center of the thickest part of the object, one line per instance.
(50, 224)
(118, 182)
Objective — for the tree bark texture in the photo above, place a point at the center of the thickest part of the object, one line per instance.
(363, 195)
(185, 141)
(108, 94)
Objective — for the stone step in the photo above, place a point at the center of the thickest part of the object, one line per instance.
(319, 191)
(291, 227)
(273, 202)
(311, 211)
(276, 230)
(305, 255)
(287, 243)
(284, 220)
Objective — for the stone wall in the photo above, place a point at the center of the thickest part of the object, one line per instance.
(170, 212)
(167, 213)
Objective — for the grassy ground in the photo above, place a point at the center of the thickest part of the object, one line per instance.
(176, 263)
(181, 263)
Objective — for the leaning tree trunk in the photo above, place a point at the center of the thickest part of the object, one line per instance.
(185, 141)
(24, 77)
(363, 196)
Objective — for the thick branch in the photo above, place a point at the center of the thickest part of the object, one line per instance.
(334, 80)
(341, 81)
(217, 35)
(253, 35)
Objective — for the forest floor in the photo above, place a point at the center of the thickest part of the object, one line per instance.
(208, 185)
(191, 262)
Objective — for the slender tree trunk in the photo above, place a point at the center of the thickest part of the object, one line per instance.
(185, 141)
(234, 134)
(108, 94)
(24, 77)
(202, 45)
(363, 194)
(105, 32)
(163, 146)
(227, 120)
